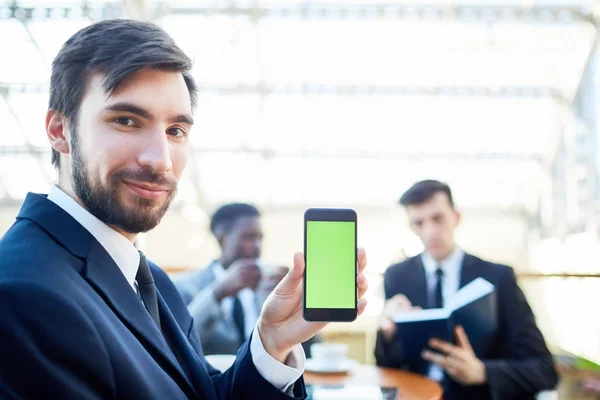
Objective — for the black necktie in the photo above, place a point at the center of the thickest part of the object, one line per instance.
(238, 316)
(147, 289)
(438, 296)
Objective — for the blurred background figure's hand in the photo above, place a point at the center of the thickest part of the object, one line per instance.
(396, 305)
(243, 273)
(591, 384)
(459, 361)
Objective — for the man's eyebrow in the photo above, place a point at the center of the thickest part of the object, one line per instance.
(133, 109)
(182, 119)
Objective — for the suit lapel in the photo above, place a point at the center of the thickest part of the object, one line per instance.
(468, 272)
(181, 345)
(104, 275)
(57, 223)
(418, 287)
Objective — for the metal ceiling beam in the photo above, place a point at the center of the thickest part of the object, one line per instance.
(586, 65)
(5, 189)
(345, 90)
(34, 41)
(29, 147)
(49, 179)
(484, 13)
(136, 9)
(37, 12)
(390, 207)
(270, 154)
(83, 10)
(416, 156)
(386, 90)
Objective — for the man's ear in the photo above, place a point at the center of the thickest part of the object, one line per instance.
(458, 217)
(57, 131)
(219, 234)
(412, 227)
(409, 221)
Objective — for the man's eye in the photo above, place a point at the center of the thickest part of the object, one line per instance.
(176, 132)
(125, 121)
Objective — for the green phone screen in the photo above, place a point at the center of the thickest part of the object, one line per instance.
(330, 264)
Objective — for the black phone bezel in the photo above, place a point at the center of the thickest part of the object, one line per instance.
(330, 314)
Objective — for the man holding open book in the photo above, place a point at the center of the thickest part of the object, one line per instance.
(456, 318)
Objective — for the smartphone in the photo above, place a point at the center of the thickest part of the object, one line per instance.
(330, 257)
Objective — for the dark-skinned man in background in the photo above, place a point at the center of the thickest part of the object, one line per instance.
(225, 297)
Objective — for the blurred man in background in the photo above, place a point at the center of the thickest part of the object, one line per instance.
(516, 365)
(226, 297)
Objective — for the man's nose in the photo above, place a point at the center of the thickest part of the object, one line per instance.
(156, 152)
(429, 230)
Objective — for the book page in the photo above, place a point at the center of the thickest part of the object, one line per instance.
(423, 315)
(470, 292)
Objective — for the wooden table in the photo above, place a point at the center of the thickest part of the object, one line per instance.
(412, 386)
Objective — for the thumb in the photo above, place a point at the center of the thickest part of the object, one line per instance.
(293, 278)
(462, 339)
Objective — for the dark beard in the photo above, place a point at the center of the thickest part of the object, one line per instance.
(103, 202)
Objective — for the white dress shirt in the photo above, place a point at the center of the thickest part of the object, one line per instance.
(451, 267)
(247, 299)
(127, 258)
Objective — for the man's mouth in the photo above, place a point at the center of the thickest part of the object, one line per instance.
(148, 190)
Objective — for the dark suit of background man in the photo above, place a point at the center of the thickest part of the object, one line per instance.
(225, 297)
(516, 365)
(84, 315)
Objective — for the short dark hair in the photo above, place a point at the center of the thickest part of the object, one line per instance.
(117, 48)
(423, 191)
(228, 214)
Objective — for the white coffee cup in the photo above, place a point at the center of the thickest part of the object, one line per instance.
(271, 275)
(268, 269)
(328, 355)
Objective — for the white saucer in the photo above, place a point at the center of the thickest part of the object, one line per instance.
(345, 365)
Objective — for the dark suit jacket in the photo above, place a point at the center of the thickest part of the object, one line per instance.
(518, 363)
(73, 328)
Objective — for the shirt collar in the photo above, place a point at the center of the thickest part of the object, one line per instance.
(122, 251)
(451, 264)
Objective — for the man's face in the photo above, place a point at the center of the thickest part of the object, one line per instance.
(243, 240)
(129, 150)
(434, 222)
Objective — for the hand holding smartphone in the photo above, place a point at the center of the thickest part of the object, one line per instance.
(330, 254)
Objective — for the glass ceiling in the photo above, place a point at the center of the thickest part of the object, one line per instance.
(296, 106)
